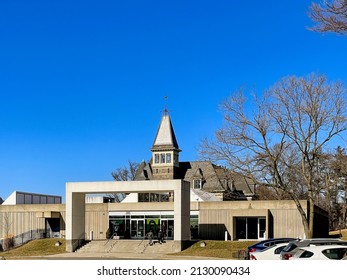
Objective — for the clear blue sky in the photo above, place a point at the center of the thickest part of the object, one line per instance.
(82, 83)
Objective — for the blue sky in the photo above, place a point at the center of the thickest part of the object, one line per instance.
(82, 83)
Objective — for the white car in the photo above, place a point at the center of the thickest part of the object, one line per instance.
(270, 253)
(322, 252)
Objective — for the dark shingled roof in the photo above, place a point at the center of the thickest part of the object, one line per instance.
(215, 179)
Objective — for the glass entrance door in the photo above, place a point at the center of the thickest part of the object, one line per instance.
(250, 228)
(167, 226)
(137, 228)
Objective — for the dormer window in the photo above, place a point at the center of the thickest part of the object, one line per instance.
(197, 184)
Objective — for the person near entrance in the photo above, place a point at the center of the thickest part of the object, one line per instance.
(160, 236)
(150, 237)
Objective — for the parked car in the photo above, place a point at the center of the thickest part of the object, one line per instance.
(295, 245)
(259, 246)
(321, 252)
(269, 253)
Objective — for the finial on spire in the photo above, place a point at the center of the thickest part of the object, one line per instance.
(166, 111)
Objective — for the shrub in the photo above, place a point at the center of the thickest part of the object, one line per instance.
(8, 243)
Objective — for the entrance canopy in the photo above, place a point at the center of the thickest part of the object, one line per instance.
(75, 205)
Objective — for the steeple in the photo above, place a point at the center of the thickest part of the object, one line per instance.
(165, 134)
(165, 150)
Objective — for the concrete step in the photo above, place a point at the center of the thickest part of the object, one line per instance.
(93, 246)
(127, 246)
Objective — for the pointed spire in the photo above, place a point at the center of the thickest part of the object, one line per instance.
(165, 135)
(165, 150)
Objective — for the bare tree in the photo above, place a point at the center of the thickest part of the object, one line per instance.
(329, 180)
(339, 166)
(329, 16)
(264, 192)
(5, 227)
(126, 173)
(277, 138)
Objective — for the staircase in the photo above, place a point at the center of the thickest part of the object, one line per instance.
(127, 246)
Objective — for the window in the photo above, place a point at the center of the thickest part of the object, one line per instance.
(197, 184)
(262, 228)
(156, 158)
(162, 158)
(194, 226)
(279, 250)
(335, 253)
(251, 228)
(152, 197)
(306, 254)
(168, 158)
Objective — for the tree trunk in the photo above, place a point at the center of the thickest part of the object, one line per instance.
(304, 219)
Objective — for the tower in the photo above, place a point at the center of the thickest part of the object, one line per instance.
(165, 151)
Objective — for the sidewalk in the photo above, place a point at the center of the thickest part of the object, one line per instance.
(119, 256)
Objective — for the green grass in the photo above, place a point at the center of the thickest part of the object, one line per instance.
(41, 247)
(343, 232)
(217, 249)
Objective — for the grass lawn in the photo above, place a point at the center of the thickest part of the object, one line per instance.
(343, 232)
(41, 247)
(217, 249)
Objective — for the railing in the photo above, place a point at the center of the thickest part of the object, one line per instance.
(20, 239)
(111, 237)
(80, 241)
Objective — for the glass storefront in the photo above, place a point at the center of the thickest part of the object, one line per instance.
(134, 225)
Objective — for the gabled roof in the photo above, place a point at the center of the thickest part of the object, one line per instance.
(215, 179)
(165, 135)
(144, 172)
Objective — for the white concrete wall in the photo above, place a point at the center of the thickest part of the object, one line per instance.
(75, 204)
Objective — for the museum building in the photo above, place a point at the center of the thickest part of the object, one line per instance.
(186, 200)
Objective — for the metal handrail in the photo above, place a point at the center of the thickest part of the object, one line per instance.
(78, 241)
(111, 237)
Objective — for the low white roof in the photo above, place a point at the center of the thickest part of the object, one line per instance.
(18, 197)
